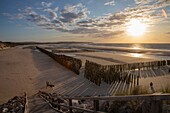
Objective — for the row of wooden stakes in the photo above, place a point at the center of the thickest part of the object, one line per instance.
(112, 73)
(71, 63)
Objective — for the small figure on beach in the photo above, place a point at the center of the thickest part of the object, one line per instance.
(151, 84)
(48, 84)
(152, 88)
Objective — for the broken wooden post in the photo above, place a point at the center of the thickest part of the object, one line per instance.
(70, 104)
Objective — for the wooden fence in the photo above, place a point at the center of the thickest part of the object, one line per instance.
(112, 73)
(71, 63)
(155, 102)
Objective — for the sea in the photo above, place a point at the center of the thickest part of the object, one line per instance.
(163, 54)
(165, 46)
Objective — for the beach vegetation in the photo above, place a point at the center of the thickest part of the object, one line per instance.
(139, 90)
(166, 88)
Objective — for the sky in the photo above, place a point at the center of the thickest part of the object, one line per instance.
(109, 21)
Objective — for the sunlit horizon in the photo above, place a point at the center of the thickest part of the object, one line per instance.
(136, 28)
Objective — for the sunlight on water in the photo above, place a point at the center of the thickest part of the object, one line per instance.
(136, 46)
(136, 54)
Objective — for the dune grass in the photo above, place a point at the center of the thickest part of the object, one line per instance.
(166, 89)
(139, 90)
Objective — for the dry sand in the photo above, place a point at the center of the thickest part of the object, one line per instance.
(25, 70)
(17, 71)
(159, 82)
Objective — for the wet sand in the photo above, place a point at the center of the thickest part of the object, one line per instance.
(106, 58)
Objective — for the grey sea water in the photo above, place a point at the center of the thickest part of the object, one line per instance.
(165, 46)
(156, 51)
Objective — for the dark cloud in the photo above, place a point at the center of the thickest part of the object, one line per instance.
(52, 13)
(37, 18)
(56, 21)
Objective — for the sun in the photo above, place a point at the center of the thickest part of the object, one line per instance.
(136, 27)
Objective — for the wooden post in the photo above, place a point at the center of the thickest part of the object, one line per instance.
(137, 80)
(58, 105)
(96, 105)
(70, 104)
(58, 102)
(156, 106)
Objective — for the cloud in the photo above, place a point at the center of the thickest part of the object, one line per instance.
(83, 31)
(51, 23)
(108, 34)
(56, 21)
(111, 2)
(33, 17)
(106, 22)
(144, 1)
(46, 4)
(73, 13)
(13, 16)
(19, 16)
(74, 18)
(52, 13)
(39, 20)
(168, 33)
(146, 13)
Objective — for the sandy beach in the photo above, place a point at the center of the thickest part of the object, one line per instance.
(18, 73)
(27, 70)
(24, 70)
